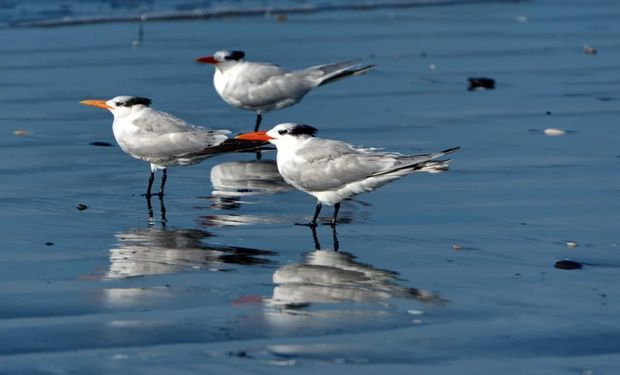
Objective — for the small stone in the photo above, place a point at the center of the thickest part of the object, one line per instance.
(589, 50)
(21, 133)
(568, 265)
(100, 144)
(554, 132)
(239, 354)
(548, 113)
(432, 66)
(81, 207)
(281, 17)
(522, 19)
(480, 83)
(571, 244)
(456, 247)
(49, 244)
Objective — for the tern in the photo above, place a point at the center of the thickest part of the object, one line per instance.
(333, 170)
(264, 87)
(160, 138)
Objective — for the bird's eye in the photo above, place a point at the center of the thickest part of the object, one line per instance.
(282, 132)
(118, 104)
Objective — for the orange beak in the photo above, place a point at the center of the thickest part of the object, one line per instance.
(96, 103)
(207, 60)
(254, 136)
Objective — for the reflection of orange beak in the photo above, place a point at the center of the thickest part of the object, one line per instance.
(254, 136)
(207, 60)
(96, 103)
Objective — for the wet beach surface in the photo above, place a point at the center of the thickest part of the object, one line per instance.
(438, 273)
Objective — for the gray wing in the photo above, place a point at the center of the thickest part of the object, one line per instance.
(161, 122)
(256, 74)
(325, 164)
(162, 136)
(268, 86)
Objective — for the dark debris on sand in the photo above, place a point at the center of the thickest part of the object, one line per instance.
(568, 265)
(480, 83)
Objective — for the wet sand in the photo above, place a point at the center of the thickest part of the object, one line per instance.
(438, 274)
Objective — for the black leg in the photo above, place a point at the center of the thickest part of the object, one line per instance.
(336, 209)
(148, 189)
(259, 118)
(316, 215)
(164, 177)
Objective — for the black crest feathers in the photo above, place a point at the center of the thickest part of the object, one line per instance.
(135, 100)
(236, 55)
(303, 129)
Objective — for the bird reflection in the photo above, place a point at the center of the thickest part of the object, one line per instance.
(162, 211)
(330, 276)
(159, 250)
(233, 180)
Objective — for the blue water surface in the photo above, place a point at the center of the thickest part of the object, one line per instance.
(435, 273)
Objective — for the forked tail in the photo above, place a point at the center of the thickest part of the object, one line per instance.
(426, 163)
(337, 71)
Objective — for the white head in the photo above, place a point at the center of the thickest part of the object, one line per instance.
(281, 134)
(120, 106)
(290, 130)
(222, 59)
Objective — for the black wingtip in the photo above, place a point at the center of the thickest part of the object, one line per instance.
(233, 145)
(346, 73)
(451, 150)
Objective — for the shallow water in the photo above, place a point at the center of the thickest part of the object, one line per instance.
(224, 282)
